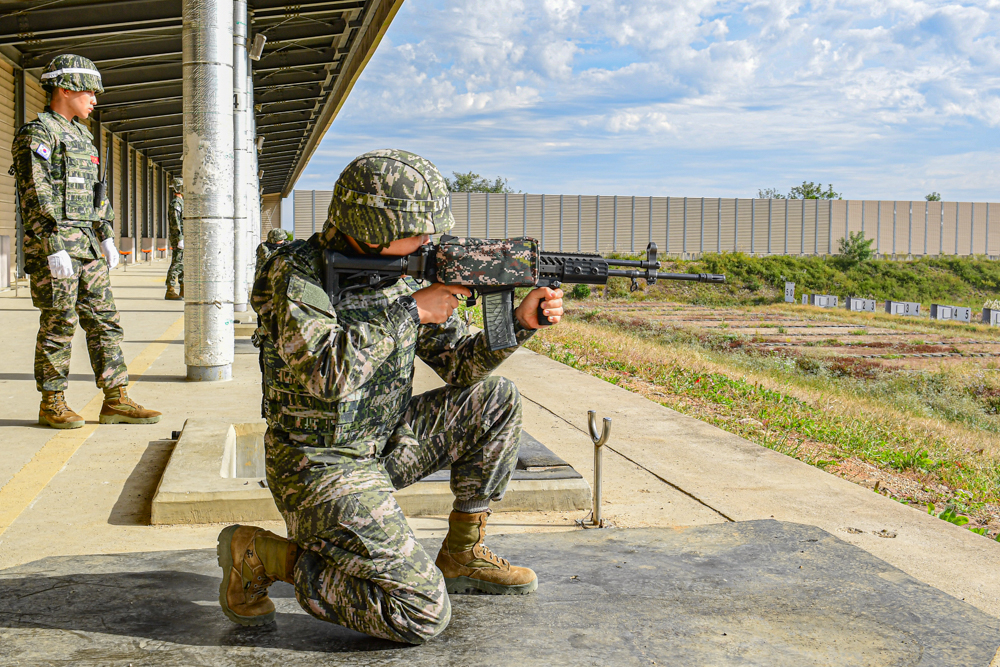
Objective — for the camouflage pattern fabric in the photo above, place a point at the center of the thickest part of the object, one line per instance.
(175, 231)
(85, 298)
(175, 221)
(509, 262)
(175, 272)
(56, 167)
(386, 195)
(344, 431)
(72, 73)
(278, 236)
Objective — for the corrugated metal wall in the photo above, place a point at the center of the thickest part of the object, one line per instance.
(678, 225)
(7, 218)
(270, 214)
(310, 207)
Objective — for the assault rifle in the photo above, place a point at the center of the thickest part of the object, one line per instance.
(491, 269)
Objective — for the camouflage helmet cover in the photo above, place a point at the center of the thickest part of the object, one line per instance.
(72, 73)
(386, 195)
(277, 236)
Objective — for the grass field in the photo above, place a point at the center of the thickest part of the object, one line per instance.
(905, 406)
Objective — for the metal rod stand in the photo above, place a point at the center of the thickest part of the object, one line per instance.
(599, 440)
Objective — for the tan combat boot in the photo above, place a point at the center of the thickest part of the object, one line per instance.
(172, 295)
(55, 413)
(469, 566)
(118, 408)
(252, 559)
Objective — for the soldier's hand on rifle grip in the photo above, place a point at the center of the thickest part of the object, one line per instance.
(437, 302)
(540, 302)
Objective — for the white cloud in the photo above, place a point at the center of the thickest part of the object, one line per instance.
(794, 89)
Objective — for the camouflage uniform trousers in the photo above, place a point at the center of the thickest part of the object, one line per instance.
(175, 274)
(362, 566)
(85, 298)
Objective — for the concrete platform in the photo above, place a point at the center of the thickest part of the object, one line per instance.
(216, 475)
(753, 593)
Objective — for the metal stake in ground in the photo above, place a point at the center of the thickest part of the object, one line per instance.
(599, 441)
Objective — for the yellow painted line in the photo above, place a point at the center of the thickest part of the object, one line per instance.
(22, 489)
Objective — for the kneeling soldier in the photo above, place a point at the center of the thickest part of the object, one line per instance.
(65, 232)
(344, 430)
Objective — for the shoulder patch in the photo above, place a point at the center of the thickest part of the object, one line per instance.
(41, 149)
(303, 291)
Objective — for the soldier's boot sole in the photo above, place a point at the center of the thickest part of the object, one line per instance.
(173, 297)
(224, 552)
(123, 419)
(64, 425)
(462, 585)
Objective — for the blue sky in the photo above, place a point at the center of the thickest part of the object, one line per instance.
(884, 99)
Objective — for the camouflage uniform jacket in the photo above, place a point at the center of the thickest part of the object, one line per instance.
(343, 375)
(56, 166)
(175, 221)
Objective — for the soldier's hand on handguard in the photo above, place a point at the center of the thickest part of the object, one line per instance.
(551, 303)
(437, 302)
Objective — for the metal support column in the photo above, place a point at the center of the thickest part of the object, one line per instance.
(207, 38)
(241, 157)
(20, 109)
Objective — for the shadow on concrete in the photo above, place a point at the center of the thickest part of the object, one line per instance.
(149, 377)
(751, 593)
(133, 505)
(24, 423)
(24, 377)
(178, 341)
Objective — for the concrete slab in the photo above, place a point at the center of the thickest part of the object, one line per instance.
(754, 593)
(742, 481)
(216, 475)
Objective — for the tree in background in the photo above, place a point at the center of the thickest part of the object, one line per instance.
(856, 249)
(470, 182)
(808, 190)
(934, 196)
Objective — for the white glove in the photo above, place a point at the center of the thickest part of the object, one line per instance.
(110, 252)
(61, 265)
(180, 244)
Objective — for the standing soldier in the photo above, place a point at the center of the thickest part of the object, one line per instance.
(175, 274)
(65, 230)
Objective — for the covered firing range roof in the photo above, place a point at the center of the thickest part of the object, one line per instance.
(315, 52)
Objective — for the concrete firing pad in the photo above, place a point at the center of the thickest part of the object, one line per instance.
(750, 593)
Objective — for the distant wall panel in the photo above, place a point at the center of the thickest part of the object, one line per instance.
(7, 198)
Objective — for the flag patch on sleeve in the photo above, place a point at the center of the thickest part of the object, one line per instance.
(42, 150)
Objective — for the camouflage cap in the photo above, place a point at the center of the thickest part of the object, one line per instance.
(176, 184)
(277, 236)
(71, 73)
(386, 195)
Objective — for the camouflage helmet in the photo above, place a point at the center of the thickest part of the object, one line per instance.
(386, 195)
(277, 236)
(71, 73)
(176, 184)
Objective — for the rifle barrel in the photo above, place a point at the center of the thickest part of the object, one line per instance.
(693, 277)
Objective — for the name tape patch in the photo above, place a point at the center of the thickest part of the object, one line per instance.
(75, 179)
